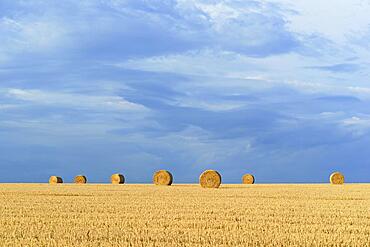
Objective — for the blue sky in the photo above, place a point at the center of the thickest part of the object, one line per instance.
(279, 89)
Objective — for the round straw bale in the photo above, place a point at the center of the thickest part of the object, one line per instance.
(248, 179)
(117, 179)
(55, 180)
(210, 179)
(336, 178)
(80, 179)
(162, 177)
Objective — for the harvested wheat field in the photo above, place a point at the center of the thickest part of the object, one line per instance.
(184, 215)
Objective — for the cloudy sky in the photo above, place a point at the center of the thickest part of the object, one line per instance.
(280, 89)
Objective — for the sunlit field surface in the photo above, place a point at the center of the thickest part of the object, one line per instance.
(184, 215)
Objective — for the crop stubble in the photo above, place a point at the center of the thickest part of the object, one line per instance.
(184, 215)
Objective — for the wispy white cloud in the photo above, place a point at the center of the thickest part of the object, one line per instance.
(240, 71)
(7, 106)
(78, 101)
(27, 35)
(357, 125)
(336, 20)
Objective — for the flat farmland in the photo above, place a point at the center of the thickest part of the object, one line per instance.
(184, 215)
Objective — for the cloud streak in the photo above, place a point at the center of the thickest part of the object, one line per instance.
(77, 101)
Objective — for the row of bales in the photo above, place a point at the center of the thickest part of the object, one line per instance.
(208, 179)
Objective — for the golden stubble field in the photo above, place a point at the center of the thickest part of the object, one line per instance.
(184, 215)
